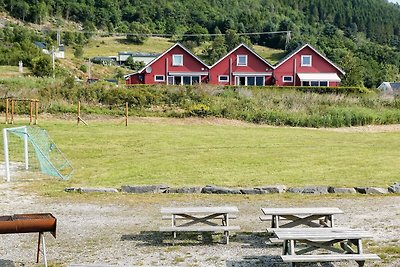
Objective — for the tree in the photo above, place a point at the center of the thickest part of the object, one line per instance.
(197, 34)
(41, 66)
(353, 69)
(232, 39)
(138, 33)
(134, 65)
(218, 48)
(78, 51)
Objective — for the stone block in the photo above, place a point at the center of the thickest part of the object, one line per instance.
(270, 189)
(395, 188)
(185, 190)
(210, 189)
(342, 190)
(96, 190)
(139, 189)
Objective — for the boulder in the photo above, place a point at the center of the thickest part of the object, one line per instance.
(316, 190)
(96, 190)
(70, 189)
(395, 188)
(252, 191)
(297, 190)
(342, 190)
(269, 189)
(371, 190)
(139, 189)
(210, 189)
(185, 190)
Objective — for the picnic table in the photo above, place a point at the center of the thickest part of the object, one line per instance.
(301, 216)
(323, 239)
(200, 219)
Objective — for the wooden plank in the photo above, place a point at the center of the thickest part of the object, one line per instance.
(329, 257)
(193, 210)
(302, 211)
(319, 233)
(200, 229)
(178, 217)
(265, 218)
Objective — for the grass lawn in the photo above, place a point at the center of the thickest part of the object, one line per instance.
(273, 56)
(110, 46)
(178, 153)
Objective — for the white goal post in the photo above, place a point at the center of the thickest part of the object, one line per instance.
(6, 152)
(50, 158)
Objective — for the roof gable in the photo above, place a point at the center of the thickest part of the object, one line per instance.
(297, 50)
(168, 50)
(247, 48)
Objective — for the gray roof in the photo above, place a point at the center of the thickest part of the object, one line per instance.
(395, 86)
(139, 54)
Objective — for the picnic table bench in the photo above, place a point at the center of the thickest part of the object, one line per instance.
(323, 239)
(200, 219)
(312, 217)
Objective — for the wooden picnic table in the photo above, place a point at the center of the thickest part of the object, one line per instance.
(200, 219)
(302, 216)
(323, 239)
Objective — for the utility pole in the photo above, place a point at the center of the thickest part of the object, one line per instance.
(89, 74)
(52, 58)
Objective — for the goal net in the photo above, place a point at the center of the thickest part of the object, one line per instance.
(39, 152)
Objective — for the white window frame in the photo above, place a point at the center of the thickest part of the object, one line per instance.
(159, 80)
(226, 77)
(238, 61)
(288, 81)
(319, 83)
(237, 80)
(302, 60)
(174, 63)
(191, 79)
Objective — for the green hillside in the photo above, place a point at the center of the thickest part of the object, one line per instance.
(361, 36)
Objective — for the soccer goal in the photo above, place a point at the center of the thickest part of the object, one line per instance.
(49, 158)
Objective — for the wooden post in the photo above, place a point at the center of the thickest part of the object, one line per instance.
(79, 112)
(36, 111)
(6, 110)
(12, 110)
(30, 111)
(126, 114)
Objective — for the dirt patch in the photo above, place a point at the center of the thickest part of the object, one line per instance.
(124, 230)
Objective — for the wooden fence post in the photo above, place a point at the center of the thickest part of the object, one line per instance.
(79, 112)
(12, 110)
(126, 114)
(7, 110)
(36, 111)
(30, 111)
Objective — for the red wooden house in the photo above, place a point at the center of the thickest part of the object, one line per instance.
(306, 66)
(177, 65)
(241, 66)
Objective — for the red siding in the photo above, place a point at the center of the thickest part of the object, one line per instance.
(163, 65)
(134, 79)
(293, 65)
(254, 64)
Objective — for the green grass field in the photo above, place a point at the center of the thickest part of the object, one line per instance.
(178, 153)
(110, 46)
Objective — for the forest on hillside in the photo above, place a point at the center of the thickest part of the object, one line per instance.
(362, 36)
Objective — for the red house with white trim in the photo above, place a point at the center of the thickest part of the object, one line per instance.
(177, 65)
(241, 66)
(306, 66)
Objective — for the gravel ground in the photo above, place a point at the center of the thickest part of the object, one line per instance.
(126, 234)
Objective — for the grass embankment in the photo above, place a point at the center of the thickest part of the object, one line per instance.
(181, 154)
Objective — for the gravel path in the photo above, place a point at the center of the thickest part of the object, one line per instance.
(125, 234)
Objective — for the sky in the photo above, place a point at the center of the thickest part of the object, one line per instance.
(395, 1)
